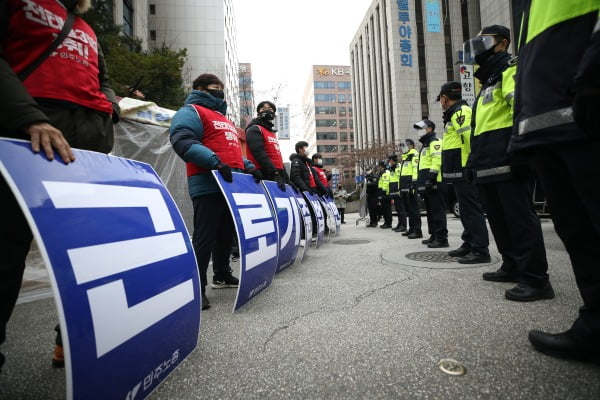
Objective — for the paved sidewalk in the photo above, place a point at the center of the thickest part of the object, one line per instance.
(356, 320)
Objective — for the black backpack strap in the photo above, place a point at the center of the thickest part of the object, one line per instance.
(59, 39)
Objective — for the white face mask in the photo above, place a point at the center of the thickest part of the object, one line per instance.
(421, 133)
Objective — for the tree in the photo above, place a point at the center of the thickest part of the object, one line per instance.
(156, 73)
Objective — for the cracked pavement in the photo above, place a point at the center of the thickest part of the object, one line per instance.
(351, 322)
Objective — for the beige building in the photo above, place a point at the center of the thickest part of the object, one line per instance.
(402, 53)
(328, 123)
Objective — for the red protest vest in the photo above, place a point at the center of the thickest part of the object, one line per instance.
(311, 177)
(271, 148)
(70, 73)
(221, 137)
(322, 176)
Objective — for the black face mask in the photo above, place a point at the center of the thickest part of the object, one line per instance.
(218, 93)
(484, 57)
(267, 115)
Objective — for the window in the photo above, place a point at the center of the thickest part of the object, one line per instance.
(325, 110)
(152, 35)
(152, 9)
(341, 98)
(343, 136)
(343, 148)
(343, 85)
(350, 124)
(326, 135)
(128, 18)
(325, 97)
(326, 123)
(327, 148)
(350, 111)
(329, 161)
(342, 111)
(324, 85)
(343, 123)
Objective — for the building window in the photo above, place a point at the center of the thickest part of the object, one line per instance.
(350, 124)
(325, 110)
(152, 35)
(326, 135)
(343, 148)
(128, 18)
(325, 97)
(342, 111)
(341, 98)
(343, 135)
(343, 123)
(324, 85)
(326, 123)
(329, 161)
(327, 148)
(152, 9)
(343, 85)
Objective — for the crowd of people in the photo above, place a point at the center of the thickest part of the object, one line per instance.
(534, 116)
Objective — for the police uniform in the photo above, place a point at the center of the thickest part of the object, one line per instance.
(564, 153)
(395, 194)
(410, 161)
(428, 184)
(372, 180)
(505, 189)
(455, 152)
(384, 199)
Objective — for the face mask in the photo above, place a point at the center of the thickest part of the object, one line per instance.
(483, 58)
(268, 115)
(219, 94)
(421, 133)
(319, 163)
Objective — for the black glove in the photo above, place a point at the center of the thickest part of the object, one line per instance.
(256, 174)
(585, 109)
(225, 171)
(468, 175)
(280, 182)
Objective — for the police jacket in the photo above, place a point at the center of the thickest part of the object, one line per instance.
(303, 175)
(384, 183)
(456, 141)
(557, 46)
(395, 179)
(492, 123)
(410, 161)
(372, 180)
(430, 161)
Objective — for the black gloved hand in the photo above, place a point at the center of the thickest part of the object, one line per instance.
(585, 109)
(256, 174)
(280, 181)
(468, 175)
(225, 171)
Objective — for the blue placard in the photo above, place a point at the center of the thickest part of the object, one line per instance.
(315, 207)
(432, 8)
(288, 222)
(306, 225)
(121, 265)
(337, 218)
(256, 231)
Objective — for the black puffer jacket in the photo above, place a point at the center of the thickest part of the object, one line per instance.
(300, 174)
(256, 144)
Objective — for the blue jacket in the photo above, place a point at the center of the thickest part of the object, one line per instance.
(186, 138)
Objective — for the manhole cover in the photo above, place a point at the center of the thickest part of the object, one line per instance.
(452, 367)
(431, 256)
(352, 241)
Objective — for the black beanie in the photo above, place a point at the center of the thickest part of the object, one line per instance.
(262, 103)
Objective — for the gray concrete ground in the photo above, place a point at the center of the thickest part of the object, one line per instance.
(353, 321)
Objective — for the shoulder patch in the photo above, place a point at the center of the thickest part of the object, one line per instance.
(437, 146)
(460, 119)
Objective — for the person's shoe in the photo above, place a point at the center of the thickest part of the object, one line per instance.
(500, 276)
(415, 235)
(524, 292)
(438, 244)
(372, 226)
(569, 344)
(385, 226)
(227, 281)
(460, 252)
(400, 229)
(205, 302)
(474, 258)
(343, 222)
(58, 358)
(427, 241)
(406, 233)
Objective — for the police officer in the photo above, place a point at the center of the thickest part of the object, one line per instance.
(428, 179)
(556, 119)
(455, 152)
(410, 161)
(372, 180)
(504, 181)
(395, 194)
(384, 195)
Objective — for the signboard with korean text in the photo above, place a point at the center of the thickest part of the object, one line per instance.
(433, 12)
(120, 263)
(315, 207)
(405, 32)
(256, 229)
(336, 217)
(467, 81)
(306, 226)
(288, 222)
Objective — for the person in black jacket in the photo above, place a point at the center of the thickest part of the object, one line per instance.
(264, 151)
(302, 173)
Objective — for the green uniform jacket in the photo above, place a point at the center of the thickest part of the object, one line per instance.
(430, 161)
(410, 161)
(384, 182)
(456, 141)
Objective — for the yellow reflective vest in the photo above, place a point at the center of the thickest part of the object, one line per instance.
(456, 141)
(408, 172)
(384, 182)
(395, 180)
(430, 161)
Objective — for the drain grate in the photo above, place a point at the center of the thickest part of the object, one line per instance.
(351, 241)
(431, 256)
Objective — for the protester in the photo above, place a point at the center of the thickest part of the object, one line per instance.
(54, 113)
(206, 140)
